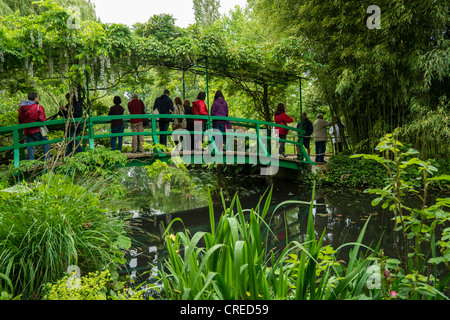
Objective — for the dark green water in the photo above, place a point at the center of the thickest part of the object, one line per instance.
(154, 202)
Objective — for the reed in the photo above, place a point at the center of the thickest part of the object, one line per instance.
(231, 261)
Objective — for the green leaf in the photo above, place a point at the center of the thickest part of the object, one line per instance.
(376, 201)
(441, 177)
(17, 189)
(123, 242)
(436, 260)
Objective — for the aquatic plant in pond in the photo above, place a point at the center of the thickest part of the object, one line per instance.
(232, 262)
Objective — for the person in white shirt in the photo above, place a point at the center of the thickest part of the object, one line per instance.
(336, 136)
(320, 137)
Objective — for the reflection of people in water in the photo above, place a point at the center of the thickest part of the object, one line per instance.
(320, 218)
(303, 214)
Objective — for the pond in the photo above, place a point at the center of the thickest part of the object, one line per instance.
(155, 202)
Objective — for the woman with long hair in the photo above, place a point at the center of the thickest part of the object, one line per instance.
(117, 126)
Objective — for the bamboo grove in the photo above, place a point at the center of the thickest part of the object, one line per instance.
(379, 80)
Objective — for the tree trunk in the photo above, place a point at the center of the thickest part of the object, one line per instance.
(265, 102)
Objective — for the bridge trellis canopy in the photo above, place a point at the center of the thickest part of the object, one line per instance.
(76, 57)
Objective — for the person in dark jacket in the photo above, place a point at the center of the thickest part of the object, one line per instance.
(117, 126)
(307, 126)
(30, 111)
(72, 110)
(282, 118)
(189, 121)
(164, 105)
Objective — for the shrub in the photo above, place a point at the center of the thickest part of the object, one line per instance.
(417, 227)
(51, 224)
(94, 286)
(344, 171)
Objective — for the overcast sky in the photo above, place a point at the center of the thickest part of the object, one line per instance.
(131, 11)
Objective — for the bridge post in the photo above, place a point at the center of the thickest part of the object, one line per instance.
(155, 137)
(22, 150)
(16, 148)
(184, 88)
(91, 129)
(208, 124)
(301, 122)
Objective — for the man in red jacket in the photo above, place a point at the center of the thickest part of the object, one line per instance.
(282, 118)
(136, 106)
(30, 111)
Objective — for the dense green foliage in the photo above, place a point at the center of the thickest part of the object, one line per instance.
(206, 12)
(394, 79)
(30, 7)
(418, 226)
(53, 223)
(344, 171)
(376, 79)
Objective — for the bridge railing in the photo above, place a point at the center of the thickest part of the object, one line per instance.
(87, 125)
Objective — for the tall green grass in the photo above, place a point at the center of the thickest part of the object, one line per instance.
(231, 262)
(54, 223)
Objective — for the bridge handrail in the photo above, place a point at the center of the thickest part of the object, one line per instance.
(106, 119)
(89, 122)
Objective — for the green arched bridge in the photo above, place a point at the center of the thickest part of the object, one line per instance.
(261, 148)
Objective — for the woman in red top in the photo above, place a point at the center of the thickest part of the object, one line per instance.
(31, 111)
(282, 118)
(199, 108)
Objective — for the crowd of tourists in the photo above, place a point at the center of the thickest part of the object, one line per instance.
(31, 111)
(164, 105)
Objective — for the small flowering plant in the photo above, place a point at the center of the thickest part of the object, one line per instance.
(94, 286)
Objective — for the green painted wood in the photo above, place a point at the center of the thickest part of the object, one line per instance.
(90, 122)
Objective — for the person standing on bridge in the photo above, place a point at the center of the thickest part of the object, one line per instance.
(117, 126)
(199, 108)
(307, 126)
(219, 108)
(282, 118)
(30, 111)
(335, 133)
(179, 109)
(178, 123)
(136, 106)
(164, 105)
(189, 121)
(73, 109)
(320, 137)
